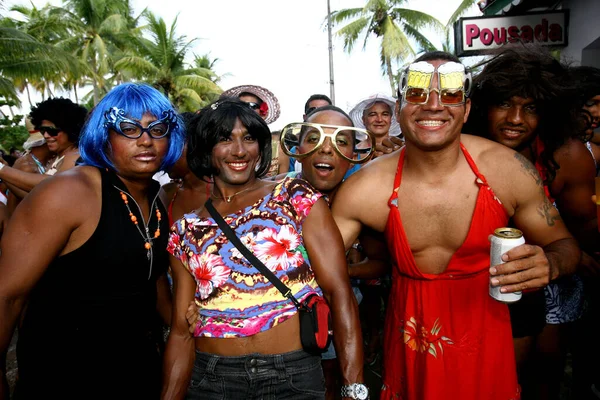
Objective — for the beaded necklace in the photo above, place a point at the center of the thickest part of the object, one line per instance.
(147, 238)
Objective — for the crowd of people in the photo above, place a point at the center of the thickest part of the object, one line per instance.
(121, 287)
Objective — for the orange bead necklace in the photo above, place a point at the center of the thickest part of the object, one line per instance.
(147, 238)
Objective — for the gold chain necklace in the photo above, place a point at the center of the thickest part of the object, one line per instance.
(228, 198)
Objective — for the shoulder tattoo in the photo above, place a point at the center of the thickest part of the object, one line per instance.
(529, 169)
(546, 209)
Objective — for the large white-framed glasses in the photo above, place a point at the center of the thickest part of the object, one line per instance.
(301, 139)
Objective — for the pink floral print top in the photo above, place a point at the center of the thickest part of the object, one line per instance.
(235, 299)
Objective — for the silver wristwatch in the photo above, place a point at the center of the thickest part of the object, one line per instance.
(355, 391)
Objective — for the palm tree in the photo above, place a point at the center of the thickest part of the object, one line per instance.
(461, 10)
(99, 29)
(23, 57)
(396, 27)
(161, 63)
(49, 27)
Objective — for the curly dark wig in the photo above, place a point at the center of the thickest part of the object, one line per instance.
(586, 81)
(65, 114)
(530, 72)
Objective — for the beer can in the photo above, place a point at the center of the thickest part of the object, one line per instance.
(503, 240)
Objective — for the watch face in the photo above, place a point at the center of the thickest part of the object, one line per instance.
(361, 391)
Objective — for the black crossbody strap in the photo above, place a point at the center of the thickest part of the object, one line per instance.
(262, 268)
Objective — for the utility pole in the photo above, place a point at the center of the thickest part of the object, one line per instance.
(331, 84)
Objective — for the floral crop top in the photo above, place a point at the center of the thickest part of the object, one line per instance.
(235, 299)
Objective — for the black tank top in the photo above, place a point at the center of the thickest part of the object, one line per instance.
(102, 294)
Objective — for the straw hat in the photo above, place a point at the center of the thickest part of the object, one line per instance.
(265, 95)
(35, 138)
(357, 112)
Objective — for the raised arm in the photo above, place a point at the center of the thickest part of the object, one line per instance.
(180, 351)
(26, 181)
(327, 257)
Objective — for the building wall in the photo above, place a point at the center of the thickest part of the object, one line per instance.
(584, 32)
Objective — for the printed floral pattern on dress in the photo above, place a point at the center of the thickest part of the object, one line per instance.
(234, 298)
(418, 338)
(279, 251)
(303, 204)
(209, 271)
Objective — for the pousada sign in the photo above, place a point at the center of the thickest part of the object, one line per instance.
(480, 35)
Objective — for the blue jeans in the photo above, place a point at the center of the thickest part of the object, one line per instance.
(295, 375)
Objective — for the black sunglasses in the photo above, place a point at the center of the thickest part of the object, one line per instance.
(252, 105)
(50, 130)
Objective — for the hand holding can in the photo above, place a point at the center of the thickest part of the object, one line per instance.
(503, 240)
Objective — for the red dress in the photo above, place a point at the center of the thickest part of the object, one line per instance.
(445, 337)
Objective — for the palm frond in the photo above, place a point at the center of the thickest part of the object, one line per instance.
(196, 82)
(137, 66)
(352, 31)
(463, 7)
(342, 15)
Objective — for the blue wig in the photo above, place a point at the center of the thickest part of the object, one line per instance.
(136, 99)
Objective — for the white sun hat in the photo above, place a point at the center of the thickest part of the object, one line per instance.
(357, 112)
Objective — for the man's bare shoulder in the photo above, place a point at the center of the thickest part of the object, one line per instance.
(375, 172)
(69, 187)
(26, 164)
(493, 158)
(366, 192)
(574, 155)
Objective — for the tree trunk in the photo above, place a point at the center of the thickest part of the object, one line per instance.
(28, 95)
(390, 74)
(95, 81)
(75, 92)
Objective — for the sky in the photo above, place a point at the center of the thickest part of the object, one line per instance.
(281, 45)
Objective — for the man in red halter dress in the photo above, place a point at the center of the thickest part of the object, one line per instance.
(437, 201)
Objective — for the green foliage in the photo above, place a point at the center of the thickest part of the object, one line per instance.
(394, 26)
(99, 43)
(11, 133)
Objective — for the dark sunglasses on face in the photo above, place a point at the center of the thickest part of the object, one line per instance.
(50, 130)
(117, 121)
(309, 110)
(252, 105)
(447, 97)
(133, 130)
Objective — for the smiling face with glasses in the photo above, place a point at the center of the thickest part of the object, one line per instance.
(326, 145)
(57, 140)
(432, 121)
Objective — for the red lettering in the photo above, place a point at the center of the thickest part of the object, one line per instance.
(486, 37)
(541, 31)
(500, 35)
(513, 32)
(526, 34)
(472, 33)
(556, 33)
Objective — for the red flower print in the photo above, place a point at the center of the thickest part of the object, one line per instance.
(302, 204)
(209, 272)
(173, 247)
(279, 250)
